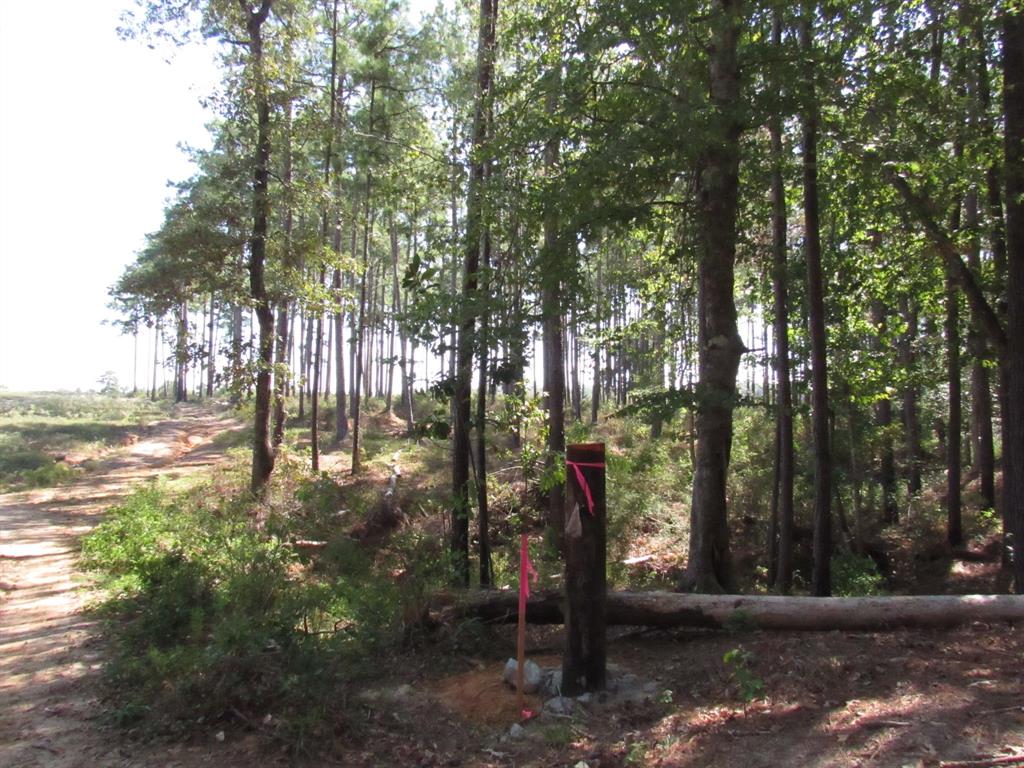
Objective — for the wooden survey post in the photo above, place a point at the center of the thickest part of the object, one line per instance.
(583, 664)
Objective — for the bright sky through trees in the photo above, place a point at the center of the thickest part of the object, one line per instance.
(89, 134)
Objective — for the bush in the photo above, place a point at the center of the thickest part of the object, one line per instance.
(856, 576)
(211, 614)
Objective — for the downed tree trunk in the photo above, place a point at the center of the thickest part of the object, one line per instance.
(671, 609)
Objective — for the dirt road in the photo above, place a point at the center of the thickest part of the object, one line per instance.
(49, 652)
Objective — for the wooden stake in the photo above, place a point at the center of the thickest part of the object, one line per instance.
(524, 577)
(584, 660)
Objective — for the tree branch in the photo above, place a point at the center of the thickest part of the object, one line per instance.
(982, 314)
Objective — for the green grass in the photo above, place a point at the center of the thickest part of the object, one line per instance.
(212, 610)
(37, 430)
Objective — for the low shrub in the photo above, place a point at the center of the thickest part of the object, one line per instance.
(856, 576)
(212, 616)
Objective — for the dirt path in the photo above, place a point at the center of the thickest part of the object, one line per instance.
(49, 652)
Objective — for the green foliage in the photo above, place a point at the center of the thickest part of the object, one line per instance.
(38, 430)
(737, 663)
(213, 612)
(558, 734)
(647, 488)
(658, 404)
(988, 520)
(856, 576)
(739, 621)
(108, 383)
(636, 754)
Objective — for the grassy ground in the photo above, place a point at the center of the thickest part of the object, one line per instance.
(49, 438)
(302, 619)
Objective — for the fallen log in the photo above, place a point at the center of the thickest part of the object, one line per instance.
(672, 609)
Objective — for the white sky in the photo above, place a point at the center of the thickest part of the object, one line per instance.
(89, 134)
(89, 128)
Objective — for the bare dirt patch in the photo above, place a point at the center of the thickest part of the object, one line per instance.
(49, 652)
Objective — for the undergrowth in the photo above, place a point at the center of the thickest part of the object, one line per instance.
(39, 430)
(216, 616)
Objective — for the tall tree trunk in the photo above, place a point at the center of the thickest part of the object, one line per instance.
(307, 356)
(883, 419)
(595, 391)
(366, 367)
(281, 352)
(407, 363)
(156, 357)
(455, 266)
(340, 405)
(475, 240)
(289, 358)
(821, 579)
(314, 399)
(576, 393)
(784, 400)
(981, 394)
(360, 333)
(393, 320)
(552, 324)
(328, 349)
(657, 363)
(954, 528)
(483, 510)
(910, 416)
(382, 330)
(720, 347)
(237, 368)
(281, 375)
(328, 235)
(352, 315)
(357, 374)
(181, 355)
(211, 356)
(262, 453)
(1013, 429)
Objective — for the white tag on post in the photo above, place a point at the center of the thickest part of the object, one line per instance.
(574, 526)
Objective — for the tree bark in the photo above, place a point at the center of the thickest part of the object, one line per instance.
(360, 330)
(911, 419)
(783, 482)
(262, 453)
(470, 299)
(211, 356)
(983, 316)
(281, 352)
(954, 527)
(407, 362)
(820, 579)
(709, 568)
(393, 320)
(552, 325)
(483, 509)
(1013, 425)
(981, 393)
(181, 355)
(595, 391)
(156, 357)
(340, 404)
(883, 420)
(314, 398)
(768, 612)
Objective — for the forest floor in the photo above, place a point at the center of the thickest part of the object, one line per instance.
(50, 652)
(907, 698)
